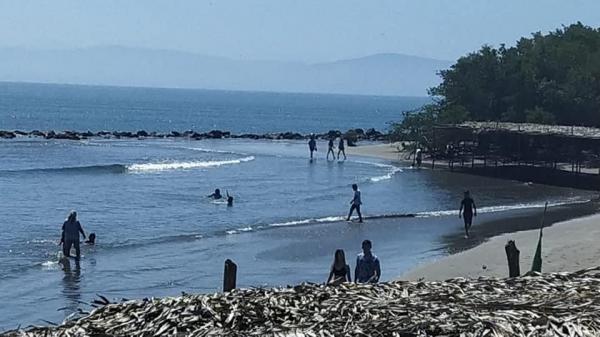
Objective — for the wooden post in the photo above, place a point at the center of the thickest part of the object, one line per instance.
(512, 254)
(229, 276)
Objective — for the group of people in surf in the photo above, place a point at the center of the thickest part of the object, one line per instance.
(312, 147)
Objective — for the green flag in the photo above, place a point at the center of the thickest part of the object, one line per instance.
(537, 258)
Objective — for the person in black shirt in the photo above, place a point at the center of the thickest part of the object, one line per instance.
(330, 150)
(468, 211)
(340, 271)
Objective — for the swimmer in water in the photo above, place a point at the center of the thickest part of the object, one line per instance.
(229, 199)
(217, 195)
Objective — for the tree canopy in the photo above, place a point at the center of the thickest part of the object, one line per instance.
(550, 79)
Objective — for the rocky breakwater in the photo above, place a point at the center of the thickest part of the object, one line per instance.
(351, 136)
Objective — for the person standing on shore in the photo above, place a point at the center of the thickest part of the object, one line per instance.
(341, 148)
(355, 204)
(340, 271)
(367, 269)
(70, 235)
(468, 210)
(419, 157)
(312, 145)
(330, 149)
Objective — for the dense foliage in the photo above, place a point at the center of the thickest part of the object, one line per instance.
(550, 79)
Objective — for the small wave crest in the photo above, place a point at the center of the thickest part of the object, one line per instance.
(91, 169)
(501, 208)
(390, 168)
(153, 167)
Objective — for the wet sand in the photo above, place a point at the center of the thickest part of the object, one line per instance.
(569, 243)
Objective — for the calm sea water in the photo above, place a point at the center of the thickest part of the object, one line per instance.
(157, 232)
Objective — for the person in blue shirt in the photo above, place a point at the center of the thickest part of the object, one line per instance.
(367, 268)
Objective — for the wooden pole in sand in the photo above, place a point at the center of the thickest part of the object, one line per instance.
(512, 254)
(229, 275)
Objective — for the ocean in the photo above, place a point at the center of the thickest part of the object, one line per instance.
(157, 232)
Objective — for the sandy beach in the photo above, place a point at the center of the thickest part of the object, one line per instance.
(569, 239)
(567, 246)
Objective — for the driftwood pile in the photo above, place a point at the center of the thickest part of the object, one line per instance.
(560, 304)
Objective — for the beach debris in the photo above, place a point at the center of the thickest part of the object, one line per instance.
(537, 258)
(558, 304)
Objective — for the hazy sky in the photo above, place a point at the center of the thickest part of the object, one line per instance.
(304, 30)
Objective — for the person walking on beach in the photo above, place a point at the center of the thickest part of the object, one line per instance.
(341, 148)
(70, 235)
(355, 204)
(330, 149)
(340, 271)
(419, 157)
(312, 145)
(216, 195)
(367, 269)
(468, 210)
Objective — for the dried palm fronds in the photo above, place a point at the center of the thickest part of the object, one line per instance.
(559, 304)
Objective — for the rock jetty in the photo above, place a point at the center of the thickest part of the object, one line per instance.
(559, 304)
(351, 135)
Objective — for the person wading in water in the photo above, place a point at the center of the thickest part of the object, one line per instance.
(70, 235)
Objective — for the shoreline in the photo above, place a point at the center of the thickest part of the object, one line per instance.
(568, 242)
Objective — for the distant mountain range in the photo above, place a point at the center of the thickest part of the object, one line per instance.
(380, 74)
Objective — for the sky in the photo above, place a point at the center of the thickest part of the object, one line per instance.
(287, 30)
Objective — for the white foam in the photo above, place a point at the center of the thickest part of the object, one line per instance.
(393, 171)
(151, 167)
(493, 209)
(201, 149)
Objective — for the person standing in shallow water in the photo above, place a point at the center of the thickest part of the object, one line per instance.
(330, 149)
(468, 211)
(70, 235)
(355, 204)
(367, 269)
(312, 145)
(340, 271)
(341, 148)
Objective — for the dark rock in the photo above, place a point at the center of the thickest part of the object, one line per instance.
(20, 133)
(188, 133)
(87, 134)
(7, 134)
(174, 134)
(215, 134)
(70, 135)
(51, 134)
(373, 134)
(37, 133)
(141, 133)
(359, 132)
(333, 134)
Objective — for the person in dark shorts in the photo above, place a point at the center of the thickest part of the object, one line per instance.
(355, 203)
(330, 149)
(312, 145)
(340, 271)
(341, 148)
(70, 235)
(468, 211)
(367, 268)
